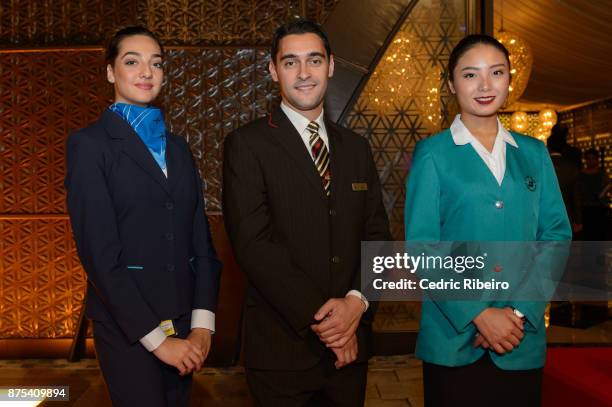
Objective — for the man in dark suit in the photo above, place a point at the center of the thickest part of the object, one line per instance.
(299, 195)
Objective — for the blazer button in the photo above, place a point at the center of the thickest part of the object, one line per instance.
(170, 267)
(169, 236)
(332, 212)
(169, 206)
(335, 259)
(499, 204)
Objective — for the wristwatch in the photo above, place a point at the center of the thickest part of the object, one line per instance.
(518, 314)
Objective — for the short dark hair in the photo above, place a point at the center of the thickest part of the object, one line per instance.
(470, 42)
(557, 141)
(560, 130)
(112, 49)
(299, 26)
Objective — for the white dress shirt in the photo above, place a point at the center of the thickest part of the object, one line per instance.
(495, 160)
(200, 318)
(301, 123)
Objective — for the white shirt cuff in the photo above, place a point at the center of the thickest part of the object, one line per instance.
(361, 297)
(203, 318)
(153, 339)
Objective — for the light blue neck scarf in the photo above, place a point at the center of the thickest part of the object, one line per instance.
(148, 123)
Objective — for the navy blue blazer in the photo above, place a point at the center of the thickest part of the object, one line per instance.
(143, 239)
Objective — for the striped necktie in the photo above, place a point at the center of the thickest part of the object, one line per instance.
(320, 155)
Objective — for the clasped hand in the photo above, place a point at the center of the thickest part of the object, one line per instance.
(187, 355)
(499, 329)
(339, 319)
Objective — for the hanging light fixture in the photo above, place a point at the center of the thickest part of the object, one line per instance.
(429, 105)
(519, 121)
(541, 133)
(548, 118)
(388, 87)
(521, 60)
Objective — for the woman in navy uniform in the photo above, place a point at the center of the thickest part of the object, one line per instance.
(477, 182)
(137, 213)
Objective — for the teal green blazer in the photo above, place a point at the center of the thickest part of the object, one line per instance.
(452, 196)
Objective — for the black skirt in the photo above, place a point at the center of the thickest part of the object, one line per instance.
(481, 383)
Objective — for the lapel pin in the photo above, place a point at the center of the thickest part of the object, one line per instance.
(530, 182)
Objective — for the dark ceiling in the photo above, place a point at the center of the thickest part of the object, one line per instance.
(572, 47)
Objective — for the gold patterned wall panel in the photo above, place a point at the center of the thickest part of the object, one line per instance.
(52, 22)
(43, 97)
(41, 281)
(178, 22)
(218, 21)
(222, 22)
(46, 95)
(210, 92)
(434, 27)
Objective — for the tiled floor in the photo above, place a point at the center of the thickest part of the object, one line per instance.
(392, 381)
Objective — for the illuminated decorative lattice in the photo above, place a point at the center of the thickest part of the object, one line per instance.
(435, 26)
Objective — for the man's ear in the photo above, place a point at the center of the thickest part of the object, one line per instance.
(331, 66)
(272, 69)
(110, 74)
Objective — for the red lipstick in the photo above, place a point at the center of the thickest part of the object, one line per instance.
(485, 100)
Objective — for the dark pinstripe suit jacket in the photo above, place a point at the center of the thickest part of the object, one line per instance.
(297, 247)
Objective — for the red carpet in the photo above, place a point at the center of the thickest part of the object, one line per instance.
(578, 377)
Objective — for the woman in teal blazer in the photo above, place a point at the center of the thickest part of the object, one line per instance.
(478, 182)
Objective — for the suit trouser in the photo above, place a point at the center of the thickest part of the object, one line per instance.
(481, 384)
(133, 375)
(321, 385)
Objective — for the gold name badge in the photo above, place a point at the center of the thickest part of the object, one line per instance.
(168, 327)
(359, 186)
